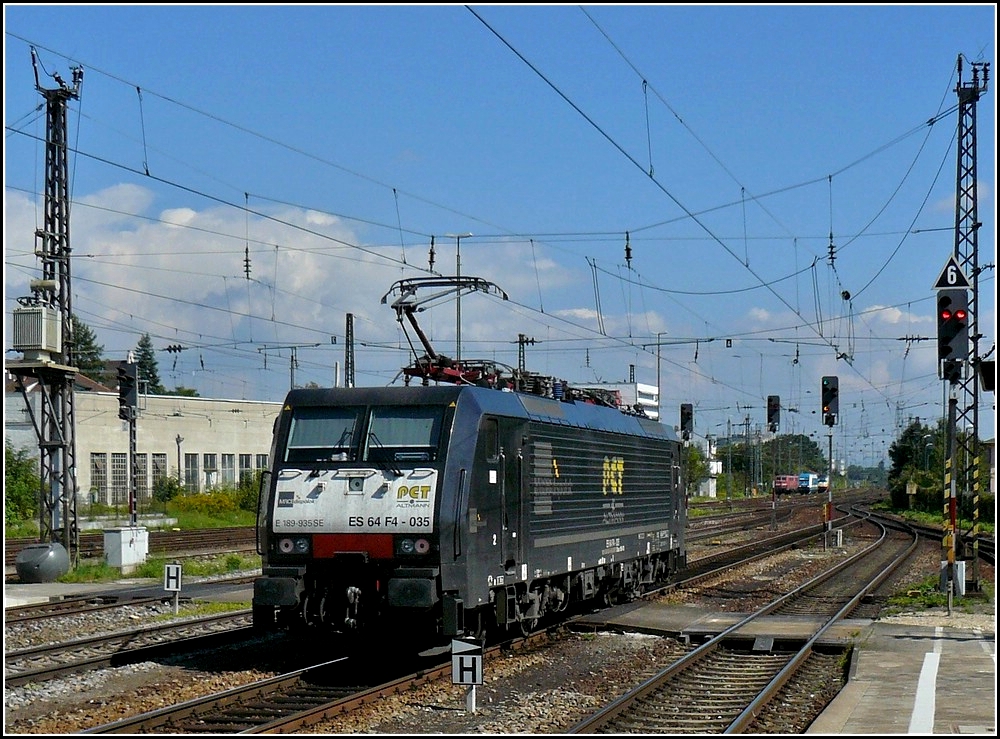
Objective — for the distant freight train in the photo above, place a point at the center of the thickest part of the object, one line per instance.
(459, 509)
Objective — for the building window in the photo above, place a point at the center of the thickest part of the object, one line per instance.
(229, 470)
(119, 478)
(98, 477)
(246, 468)
(142, 477)
(191, 472)
(211, 471)
(261, 461)
(159, 469)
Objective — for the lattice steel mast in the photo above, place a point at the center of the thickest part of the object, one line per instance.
(967, 255)
(43, 331)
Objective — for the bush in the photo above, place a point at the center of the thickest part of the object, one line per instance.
(22, 486)
(248, 491)
(166, 489)
(214, 503)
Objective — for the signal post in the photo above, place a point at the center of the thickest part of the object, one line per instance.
(126, 547)
(953, 350)
(831, 409)
(773, 419)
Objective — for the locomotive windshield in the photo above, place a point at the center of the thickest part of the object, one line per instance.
(403, 433)
(323, 434)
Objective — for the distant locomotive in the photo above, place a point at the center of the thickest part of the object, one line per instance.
(458, 509)
(786, 484)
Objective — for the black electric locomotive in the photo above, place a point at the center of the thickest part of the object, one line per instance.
(455, 509)
(487, 502)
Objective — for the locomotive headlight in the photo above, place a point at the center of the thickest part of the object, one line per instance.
(413, 546)
(294, 545)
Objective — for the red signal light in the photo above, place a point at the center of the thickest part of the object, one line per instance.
(960, 314)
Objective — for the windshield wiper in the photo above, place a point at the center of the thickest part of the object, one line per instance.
(384, 464)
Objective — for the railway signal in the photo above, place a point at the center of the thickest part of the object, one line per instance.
(128, 389)
(687, 420)
(952, 332)
(831, 399)
(773, 412)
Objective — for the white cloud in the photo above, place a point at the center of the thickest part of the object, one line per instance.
(894, 316)
(178, 216)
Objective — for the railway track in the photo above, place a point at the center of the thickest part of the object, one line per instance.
(295, 701)
(85, 604)
(47, 662)
(300, 699)
(749, 668)
(186, 543)
(818, 663)
(189, 543)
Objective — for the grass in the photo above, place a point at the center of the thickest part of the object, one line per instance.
(205, 608)
(21, 530)
(186, 520)
(928, 594)
(153, 568)
(936, 519)
(199, 520)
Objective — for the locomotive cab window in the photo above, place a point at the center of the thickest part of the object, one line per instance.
(403, 433)
(323, 435)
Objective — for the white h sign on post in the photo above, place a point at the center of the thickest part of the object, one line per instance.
(172, 582)
(467, 668)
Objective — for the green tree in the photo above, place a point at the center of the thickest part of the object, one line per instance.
(87, 355)
(249, 490)
(916, 456)
(873, 476)
(145, 359)
(21, 485)
(166, 489)
(919, 457)
(696, 468)
(187, 392)
(746, 464)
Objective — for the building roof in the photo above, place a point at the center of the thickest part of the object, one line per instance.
(80, 383)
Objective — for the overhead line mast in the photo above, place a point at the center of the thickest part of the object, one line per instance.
(43, 332)
(967, 227)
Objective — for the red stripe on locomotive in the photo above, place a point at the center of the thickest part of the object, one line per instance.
(378, 546)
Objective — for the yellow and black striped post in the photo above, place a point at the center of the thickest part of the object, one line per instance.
(977, 584)
(947, 540)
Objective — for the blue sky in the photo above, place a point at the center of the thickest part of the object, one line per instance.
(631, 176)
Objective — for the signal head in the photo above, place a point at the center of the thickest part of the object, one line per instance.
(953, 325)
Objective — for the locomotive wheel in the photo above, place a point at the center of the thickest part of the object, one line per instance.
(309, 612)
(527, 625)
(477, 629)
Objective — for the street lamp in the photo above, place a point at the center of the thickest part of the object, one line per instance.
(458, 297)
(180, 471)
